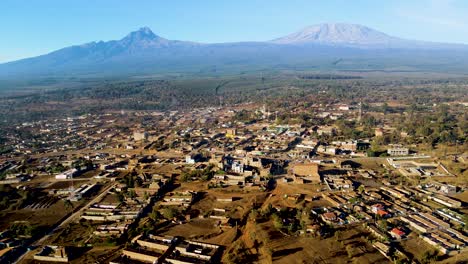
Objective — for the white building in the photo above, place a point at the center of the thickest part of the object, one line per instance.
(237, 167)
(138, 136)
(66, 174)
(398, 151)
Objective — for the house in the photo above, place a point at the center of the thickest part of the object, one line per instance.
(217, 159)
(154, 242)
(326, 130)
(398, 151)
(219, 177)
(300, 153)
(312, 228)
(235, 180)
(448, 189)
(343, 107)
(237, 167)
(379, 132)
(329, 217)
(193, 158)
(142, 255)
(179, 198)
(349, 164)
(327, 150)
(376, 207)
(307, 172)
(383, 248)
(69, 174)
(231, 132)
(140, 136)
(52, 254)
(227, 199)
(349, 145)
(382, 213)
(397, 233)
(193, 252)
(447, 201)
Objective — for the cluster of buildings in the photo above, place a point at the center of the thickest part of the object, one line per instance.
(10, 245)
(411, 167)
(166, 249)
(239, 153)
(404, 209)
(52, 254)
(114, 216)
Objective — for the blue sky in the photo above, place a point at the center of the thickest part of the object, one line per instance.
(35, 27)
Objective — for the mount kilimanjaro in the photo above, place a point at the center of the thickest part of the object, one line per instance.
(340, 47)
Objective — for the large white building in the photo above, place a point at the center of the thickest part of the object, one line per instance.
(66, 174)
(398, 151)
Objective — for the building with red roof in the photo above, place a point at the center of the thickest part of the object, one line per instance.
(397, 233)
(382, 213)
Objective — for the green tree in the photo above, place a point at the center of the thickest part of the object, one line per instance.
(169, 212)
(277, 221)
(361, 189)
(68, 205)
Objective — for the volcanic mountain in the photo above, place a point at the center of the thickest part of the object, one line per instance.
(355, 47)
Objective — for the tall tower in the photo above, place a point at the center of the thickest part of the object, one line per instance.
(221, 101)
(360, 112)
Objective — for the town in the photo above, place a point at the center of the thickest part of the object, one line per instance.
(253, 182)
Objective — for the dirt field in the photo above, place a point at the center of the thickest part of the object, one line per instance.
(225, 238)
(371, 163)
(235, 209)
(72, 235)
(96, 255)
(277, 247)
(110, 199)
(67, 184)
(459, 258)
(415, 247)
(461, 196)
(37, 217)
(163, 169)
(278, 196)
(195, 229)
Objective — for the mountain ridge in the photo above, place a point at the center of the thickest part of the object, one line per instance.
(143, 51)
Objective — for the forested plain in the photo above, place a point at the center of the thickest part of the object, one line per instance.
(421, 106)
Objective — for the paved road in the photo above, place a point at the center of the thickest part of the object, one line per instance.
(70, 219)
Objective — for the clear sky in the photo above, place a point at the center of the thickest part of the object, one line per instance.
(35, 27)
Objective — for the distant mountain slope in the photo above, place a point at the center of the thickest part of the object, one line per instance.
(353, 35)
(338, 34)
(325, 46)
